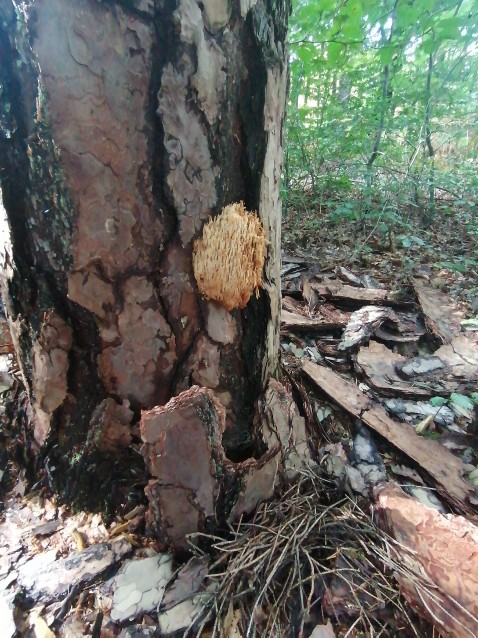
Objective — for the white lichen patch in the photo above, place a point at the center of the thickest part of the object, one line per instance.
(229, 257)
(139, 586)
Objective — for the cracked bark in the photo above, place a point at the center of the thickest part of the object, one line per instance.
(125, 126)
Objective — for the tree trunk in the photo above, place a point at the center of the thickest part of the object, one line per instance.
(125, 126)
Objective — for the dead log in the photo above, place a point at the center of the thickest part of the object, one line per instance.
(440, 558)
(444, 468)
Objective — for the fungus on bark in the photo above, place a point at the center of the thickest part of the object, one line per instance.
(229, 257)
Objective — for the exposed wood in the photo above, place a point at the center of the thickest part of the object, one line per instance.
(195, 486)
(441, 314)
(441, 558)
(446, 469)
(349, 294)
(296, 321)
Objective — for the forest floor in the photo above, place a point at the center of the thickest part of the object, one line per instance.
(379, 346)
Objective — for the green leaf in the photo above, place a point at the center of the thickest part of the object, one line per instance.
(406, 243)
(334, 51)
(430, 46)
(470, 323)
(461, 401)
(306, 53)
(386, 54)
(437, 402)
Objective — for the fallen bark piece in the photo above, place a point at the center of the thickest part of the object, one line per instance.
(420, 365)
(139, 586)
(47, 578)
(191, 474)
(9, 629)
(452, 368)
(378, 365)
(183, 452)
(188, 581)
(323, 631)
(345, 293)
(186, 613)
(442, 316)
(363, 323)
(440, 556)
(318, 323)
(351, 278)
(446, 469)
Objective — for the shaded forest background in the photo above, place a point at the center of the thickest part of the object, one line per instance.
(382, 135)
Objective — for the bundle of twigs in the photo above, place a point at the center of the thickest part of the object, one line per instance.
(302, 558)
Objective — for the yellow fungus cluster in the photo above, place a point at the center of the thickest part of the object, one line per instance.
(229, 257)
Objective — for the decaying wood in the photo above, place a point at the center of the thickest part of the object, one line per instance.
(350, 294)
(446, 469)
(363, 323)
(47, 578)
(452, 368)
(378, 364)
(142, 122)
(194, 484)
(318, 323)
(442, 554)
(441, 315)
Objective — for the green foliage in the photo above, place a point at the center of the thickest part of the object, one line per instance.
(383, 111)
(437, 402)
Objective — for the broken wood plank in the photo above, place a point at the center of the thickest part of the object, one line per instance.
(350, 294)
(296, 321)
(442, 316)
(445, 469)
(440, 559)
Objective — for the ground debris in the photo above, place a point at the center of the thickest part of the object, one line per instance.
(47, 578)
(446, 469)
(139, 586)
(363, 323)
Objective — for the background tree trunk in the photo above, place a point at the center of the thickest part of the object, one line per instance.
(124, 126)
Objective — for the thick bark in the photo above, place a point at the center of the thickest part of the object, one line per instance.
(125, 126)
